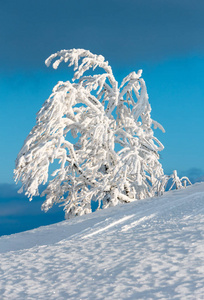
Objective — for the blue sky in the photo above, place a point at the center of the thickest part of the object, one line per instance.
(164, 38)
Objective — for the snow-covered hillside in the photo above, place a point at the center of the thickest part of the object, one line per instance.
(150, 249)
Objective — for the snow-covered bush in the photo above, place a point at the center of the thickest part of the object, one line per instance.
(112, 156)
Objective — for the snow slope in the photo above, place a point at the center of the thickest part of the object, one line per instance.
(150, 249)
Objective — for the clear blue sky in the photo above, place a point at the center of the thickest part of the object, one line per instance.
(164, 38)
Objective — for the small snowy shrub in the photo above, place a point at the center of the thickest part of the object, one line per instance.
(113, 155)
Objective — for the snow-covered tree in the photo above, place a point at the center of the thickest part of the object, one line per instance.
(113, 155)
(178, 182)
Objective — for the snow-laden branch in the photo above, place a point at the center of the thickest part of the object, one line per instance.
(98, 135)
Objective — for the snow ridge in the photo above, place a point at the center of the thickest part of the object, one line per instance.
(149, 249)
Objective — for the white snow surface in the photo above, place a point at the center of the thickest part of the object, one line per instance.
(149, 249)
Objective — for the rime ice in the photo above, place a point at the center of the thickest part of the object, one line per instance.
(115, 155)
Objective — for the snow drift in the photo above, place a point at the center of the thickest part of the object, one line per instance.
(150, 249)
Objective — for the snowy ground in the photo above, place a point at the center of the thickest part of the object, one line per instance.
(152, 249)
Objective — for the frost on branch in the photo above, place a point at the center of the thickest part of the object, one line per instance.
(113, 155)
